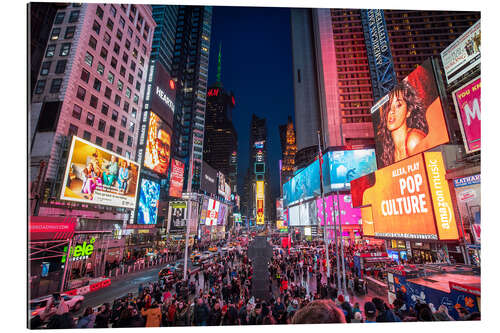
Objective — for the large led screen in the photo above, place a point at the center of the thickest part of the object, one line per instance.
(221, 217)
(345, 165)
(157, 156)
(176, 178)
(348, 215)
(304, 185)
(149, 196)
(467, 100)
(177, 214)
(409, 199)
(98, 176)
(259, 196)
(212, 212)
(208, 181)
(410, 119)
(203, 214)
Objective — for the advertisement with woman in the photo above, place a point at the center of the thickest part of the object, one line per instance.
(98, 176)
(410, 119)
(149, 197)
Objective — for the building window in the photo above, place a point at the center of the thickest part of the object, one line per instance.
(73, 16)
(112, 10)
(130, 79)
(109, 146)
(101, 126)
(70, 32)
(121, 136)
(89, 59)
(55, 34)
(98, 141)
(122, 71)
(114, 115)
(127, 43)
(90, 119)
(73, 130)
(126, 106)
(96, 27)
(111, 77)
(92, 42)
(93, 101)
(127, 154)
(45, 68)
(51, 50)
(104, 53)
(85, 75)
(125, 57)
(119, 150)
(129, 141)
(124, 122)
(112, 131)
(116, 48)
(138, 86)
(139, 73)
(99, 12)
(120, 85)
(136, 99)
(110, 24)
(137, 42)
(128, 92)
(129, 33)
(55, 87)
(59, 17)
(77, 112)
(118, 100)
(122, 22)
(80, 93)
(65, 49)
(107, 92)
(132, 66)
(141, 61)
(134, 53)
(100, 69)
(86, 135)
(119, 34)
(131, 126)
(105, 109)
(133, 113)
(107, 38)
(97, 84)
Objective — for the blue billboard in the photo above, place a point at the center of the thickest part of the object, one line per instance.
(147, 210)
(304, 185)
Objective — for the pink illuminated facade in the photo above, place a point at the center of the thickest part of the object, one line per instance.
(91, 84)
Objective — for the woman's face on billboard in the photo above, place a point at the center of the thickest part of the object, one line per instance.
(398, 111)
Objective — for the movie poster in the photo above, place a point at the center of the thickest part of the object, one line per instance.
(176, 178)
(177, 214)
(410, 119)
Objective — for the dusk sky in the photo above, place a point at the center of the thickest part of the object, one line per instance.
(257, 67)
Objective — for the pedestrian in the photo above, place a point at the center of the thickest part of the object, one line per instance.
(103, 316)
(153, 315)
(88, 319)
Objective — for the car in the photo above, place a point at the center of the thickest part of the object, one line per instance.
(170, 269)
(213, 249)
(37, 305)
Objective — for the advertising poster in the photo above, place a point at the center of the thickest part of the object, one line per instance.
(176, 179)
(203, 214)
(286, 217)
(212, 212)
(221, 185)
(304, 185)
(410, 119)
(227, 190)
(163, 94)
(98, 176)
(345, 165)
(237, 218)
(259, 196)
(468, 106)
(177, 215)
(221, 217)
(348, 215)
(409, 199)
(208, 179)
(149, 197)
(463, 54)
(279, 208)
(157, 156)
(468, 193)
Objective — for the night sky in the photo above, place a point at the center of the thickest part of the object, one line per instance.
(257, 67)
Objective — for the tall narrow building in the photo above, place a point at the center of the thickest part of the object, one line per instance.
(288, 150)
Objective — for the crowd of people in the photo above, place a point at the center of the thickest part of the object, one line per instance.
(221, 294)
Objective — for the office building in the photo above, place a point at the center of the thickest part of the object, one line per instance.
(288, 150)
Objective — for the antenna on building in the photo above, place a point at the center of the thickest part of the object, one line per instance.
(219, 66)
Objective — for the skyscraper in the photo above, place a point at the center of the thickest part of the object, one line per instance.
(288, 150)
(332, 76)
(221, 141)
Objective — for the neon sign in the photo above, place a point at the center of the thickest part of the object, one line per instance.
(79, 252)
(165, 98)
(213, 92)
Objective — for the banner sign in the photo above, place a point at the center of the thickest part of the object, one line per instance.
(177, 214)
(176, 178)
(51, 227)
(468, 106)
(467, 181)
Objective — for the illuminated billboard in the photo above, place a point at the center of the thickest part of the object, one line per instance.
(177, 215)
(203, 214)
(208, 181)
(163, 94)
(279, 208)
(259, 196)
(176, 178)
(157, 157)
(467, 100)
(221, 216)
(304, 185)
(409, 199)
(149, 197)
(221, 185)
(212, 212)
(98, 176)
(342, 166)
(348, 215)
(410, 119)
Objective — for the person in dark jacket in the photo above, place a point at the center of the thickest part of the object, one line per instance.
(201, 313)
(103, 316)
(181, 314)
(384, 314)
(215, 315)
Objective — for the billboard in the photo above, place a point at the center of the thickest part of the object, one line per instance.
(98, 176)
(163, 94)
(176, 178)
(221, 185)
(221, 216)
(304, 185)
(348, 215)
(468, 193)
(212, 212)
(279, 208)
(158, 144)
(467, 100)
(259, 196)
(177, 216)
(342, 166)
(203, 214)
(149, 197)
(410, 119)
(305, 214)
(208, 179)
(227, 191)
(409, 199)
(237, 218)
(463, 54)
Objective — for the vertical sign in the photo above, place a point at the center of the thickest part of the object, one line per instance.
(468, 106)
(259, 196)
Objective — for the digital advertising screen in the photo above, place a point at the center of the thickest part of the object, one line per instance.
(208, 181)
(348, 215)
(342, 166)
(409, 199)
(177, 216)
(227, 191)
(467, 100)
(304, 185)
(221, 185)
(221, 217)
(237, 218)
(203, 214)
(259, 196)
(212, 212)
(279, 208)
(149, 197)
(163, 94)
(158, 145)
(98, 176)
(176, 178)
(410, 119)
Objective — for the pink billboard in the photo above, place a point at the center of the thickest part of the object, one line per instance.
(348, 215)
(468, 106)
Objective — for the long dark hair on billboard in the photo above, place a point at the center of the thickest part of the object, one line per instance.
(398, 137)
